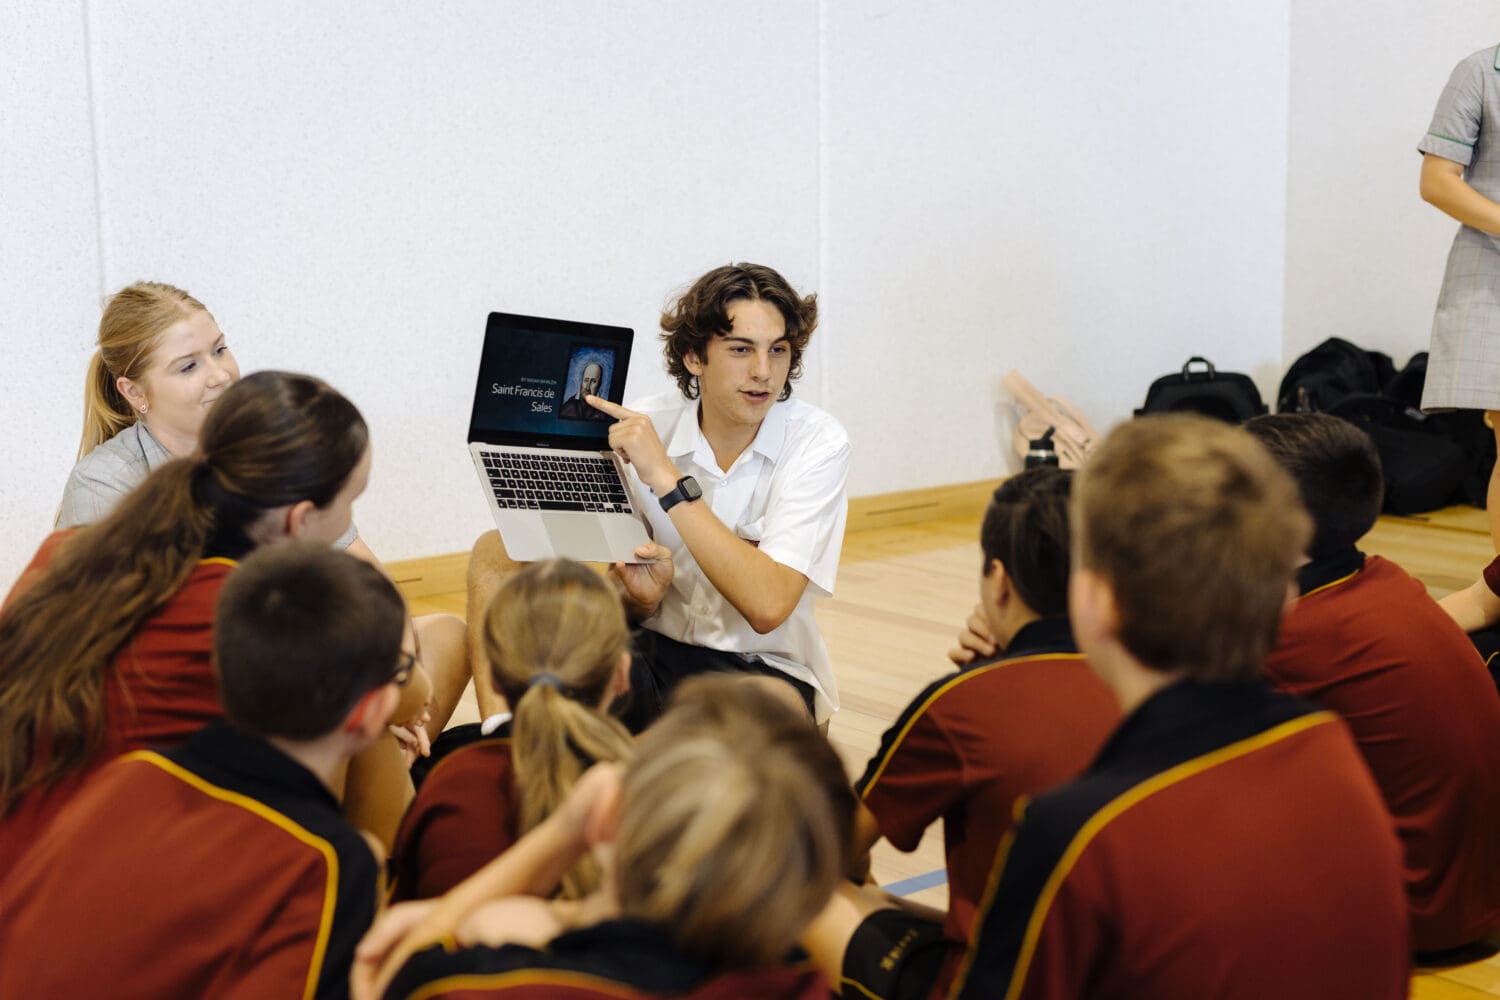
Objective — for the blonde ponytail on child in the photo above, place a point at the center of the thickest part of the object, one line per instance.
(556, 638)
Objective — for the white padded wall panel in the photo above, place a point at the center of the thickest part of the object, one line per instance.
(49, 263)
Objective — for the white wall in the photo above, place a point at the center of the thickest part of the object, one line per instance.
(1365, 255)
(1089, 192)
(1083, 191)
(49, 263)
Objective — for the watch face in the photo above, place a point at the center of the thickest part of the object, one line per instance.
(691, 490)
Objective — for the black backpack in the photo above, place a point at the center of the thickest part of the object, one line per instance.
(1228, 396)
(1429, 460)
(1329, 372)
(1423, 467)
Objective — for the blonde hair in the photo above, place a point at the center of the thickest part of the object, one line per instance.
(736, 820)
(134, 319)
(1198, 530)
(554, 634)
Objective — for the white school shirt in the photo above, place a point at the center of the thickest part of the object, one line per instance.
(788, 493)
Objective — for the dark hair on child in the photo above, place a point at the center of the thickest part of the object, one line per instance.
(1337, 470)
(1026, 528)
(301, 633)
(272, 439)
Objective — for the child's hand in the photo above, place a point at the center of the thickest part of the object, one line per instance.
(414, 739)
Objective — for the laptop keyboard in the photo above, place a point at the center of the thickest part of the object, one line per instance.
(556, 482)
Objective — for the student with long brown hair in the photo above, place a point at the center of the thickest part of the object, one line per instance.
(557, 643)
(161, 364)
(729, 829)
(105, 641)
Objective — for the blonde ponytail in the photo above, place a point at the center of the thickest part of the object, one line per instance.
(105, 411)
(555, 635)
(134, 319)
(554, 739)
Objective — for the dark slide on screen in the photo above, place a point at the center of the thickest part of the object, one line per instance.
(533, 384)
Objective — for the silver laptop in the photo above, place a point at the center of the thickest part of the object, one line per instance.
(553, 485)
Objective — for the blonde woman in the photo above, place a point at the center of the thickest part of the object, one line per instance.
(727, 833)
(556, 639)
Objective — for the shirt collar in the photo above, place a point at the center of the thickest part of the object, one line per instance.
(1330, 568)
(255, 762)
(1045, 635)
(687, 437)
(153, 451)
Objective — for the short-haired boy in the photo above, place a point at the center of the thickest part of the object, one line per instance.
(223, 868)
(1365, 640)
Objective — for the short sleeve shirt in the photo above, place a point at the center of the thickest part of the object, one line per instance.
(1455, 133)
(786, 494)
(101, 478)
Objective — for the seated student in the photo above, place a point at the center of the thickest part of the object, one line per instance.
(161, 364)
(728, 829)
(1476, 609)
(972, 743)
(223, 868)
(1228, 840)
(1365, 640)
(556, 640)
(105, 642)
(745, 491)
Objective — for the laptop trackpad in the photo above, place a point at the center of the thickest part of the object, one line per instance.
(577, 537)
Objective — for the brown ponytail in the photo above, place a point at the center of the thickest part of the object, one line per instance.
(272, 439)
(554, 634)
(134, 319)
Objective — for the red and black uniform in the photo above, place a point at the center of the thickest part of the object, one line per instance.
(465, 814)
(1228, 842)
(1366, 641)
(973, 742)
(158, 691)
(614, 960)
(221, 869)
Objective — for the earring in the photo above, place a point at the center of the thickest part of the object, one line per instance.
(144, 408)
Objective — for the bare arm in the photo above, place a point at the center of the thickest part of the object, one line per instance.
(866, 835)
(533, 866)
(1475, 607)
(759, 587)
(1443, 186)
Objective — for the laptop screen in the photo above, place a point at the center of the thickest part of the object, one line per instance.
(533, 375)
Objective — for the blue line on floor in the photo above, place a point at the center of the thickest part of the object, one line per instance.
(917, 883)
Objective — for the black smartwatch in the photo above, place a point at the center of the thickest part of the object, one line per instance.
(687, 488)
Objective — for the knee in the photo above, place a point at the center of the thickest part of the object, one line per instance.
(443, 638)
(488, 559)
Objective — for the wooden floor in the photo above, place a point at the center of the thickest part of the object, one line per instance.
(902, 594)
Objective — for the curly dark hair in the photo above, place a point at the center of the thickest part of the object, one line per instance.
(702, 313)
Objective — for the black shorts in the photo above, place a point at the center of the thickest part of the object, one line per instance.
(893, 955)
(658, 664)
